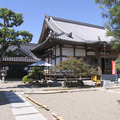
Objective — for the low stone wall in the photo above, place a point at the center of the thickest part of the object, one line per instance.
(109, 77)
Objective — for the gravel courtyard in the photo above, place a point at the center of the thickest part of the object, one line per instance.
(82, 105)
(86, 105)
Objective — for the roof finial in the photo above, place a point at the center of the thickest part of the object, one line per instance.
(70, 35)
(99, 38)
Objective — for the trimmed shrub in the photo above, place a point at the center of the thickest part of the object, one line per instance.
(26, 79)
(71, 84)
(75, 84)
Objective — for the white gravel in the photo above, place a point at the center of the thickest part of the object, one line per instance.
(86, 105)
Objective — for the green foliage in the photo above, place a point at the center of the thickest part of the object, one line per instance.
(25, 79)
(118, 63)
(74, 84)
(9, 20)
(78, 67)
(111, 11)
(37, 73)
(6, 81)
(71, 84)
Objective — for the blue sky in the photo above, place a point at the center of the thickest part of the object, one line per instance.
(34, 10)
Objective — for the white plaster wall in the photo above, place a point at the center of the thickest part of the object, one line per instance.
(57, 51)
(53, 52)
(46, 60)
(90, 53)
(50, 60)
(57, 60)
(67, 51)
(64, 58)
(79, 52)
(53, 62)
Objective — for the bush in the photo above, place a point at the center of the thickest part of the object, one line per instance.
(26, 79)
(75, 84)
(71, 84)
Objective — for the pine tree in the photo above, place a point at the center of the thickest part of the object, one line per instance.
(111, 11)
(9, 20)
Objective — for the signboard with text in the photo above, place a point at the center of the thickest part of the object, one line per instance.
(113, 67)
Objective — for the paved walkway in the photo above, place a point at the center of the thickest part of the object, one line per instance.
(22, 109)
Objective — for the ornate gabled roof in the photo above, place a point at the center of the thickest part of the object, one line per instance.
(72, 31)
(19, 49)
(24, 53)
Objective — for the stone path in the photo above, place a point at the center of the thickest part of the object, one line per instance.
(22, 109)
(111, 91)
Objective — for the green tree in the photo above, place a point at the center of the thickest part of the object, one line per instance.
(111, 11)
(78, 67)
(36, 73)
(9, 20)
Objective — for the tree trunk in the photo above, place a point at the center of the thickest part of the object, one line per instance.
(0, 67)
(80, 82)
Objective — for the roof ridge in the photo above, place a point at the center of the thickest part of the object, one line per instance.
(28, 44)
(58, 27)
(21, 50)
(76, 22)
(54, 27)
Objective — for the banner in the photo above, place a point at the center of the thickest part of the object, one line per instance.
(113, 67)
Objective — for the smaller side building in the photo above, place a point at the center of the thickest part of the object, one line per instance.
(17, 64)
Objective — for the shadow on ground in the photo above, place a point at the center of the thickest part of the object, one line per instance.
(3, 99)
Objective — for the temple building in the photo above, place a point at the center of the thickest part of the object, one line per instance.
(61, 38)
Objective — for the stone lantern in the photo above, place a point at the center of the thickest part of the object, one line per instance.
(3, 74)
(29, 71)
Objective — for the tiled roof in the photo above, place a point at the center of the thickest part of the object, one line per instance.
(18, 59)
(63, 30)
(24, 48)
(80, 32)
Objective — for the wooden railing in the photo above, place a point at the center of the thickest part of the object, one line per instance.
(51, 75)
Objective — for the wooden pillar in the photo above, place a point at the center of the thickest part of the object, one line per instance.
(85, 53)
(55, 55)
(98, 57)
(99, 66)
(55, 58)
(51, 61)
(60, 53)
(74, 51)
(48, 62)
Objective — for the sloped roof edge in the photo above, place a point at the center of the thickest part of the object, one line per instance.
(21, 50)
(75, 22)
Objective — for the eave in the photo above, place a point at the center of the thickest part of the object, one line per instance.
(52, 41)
